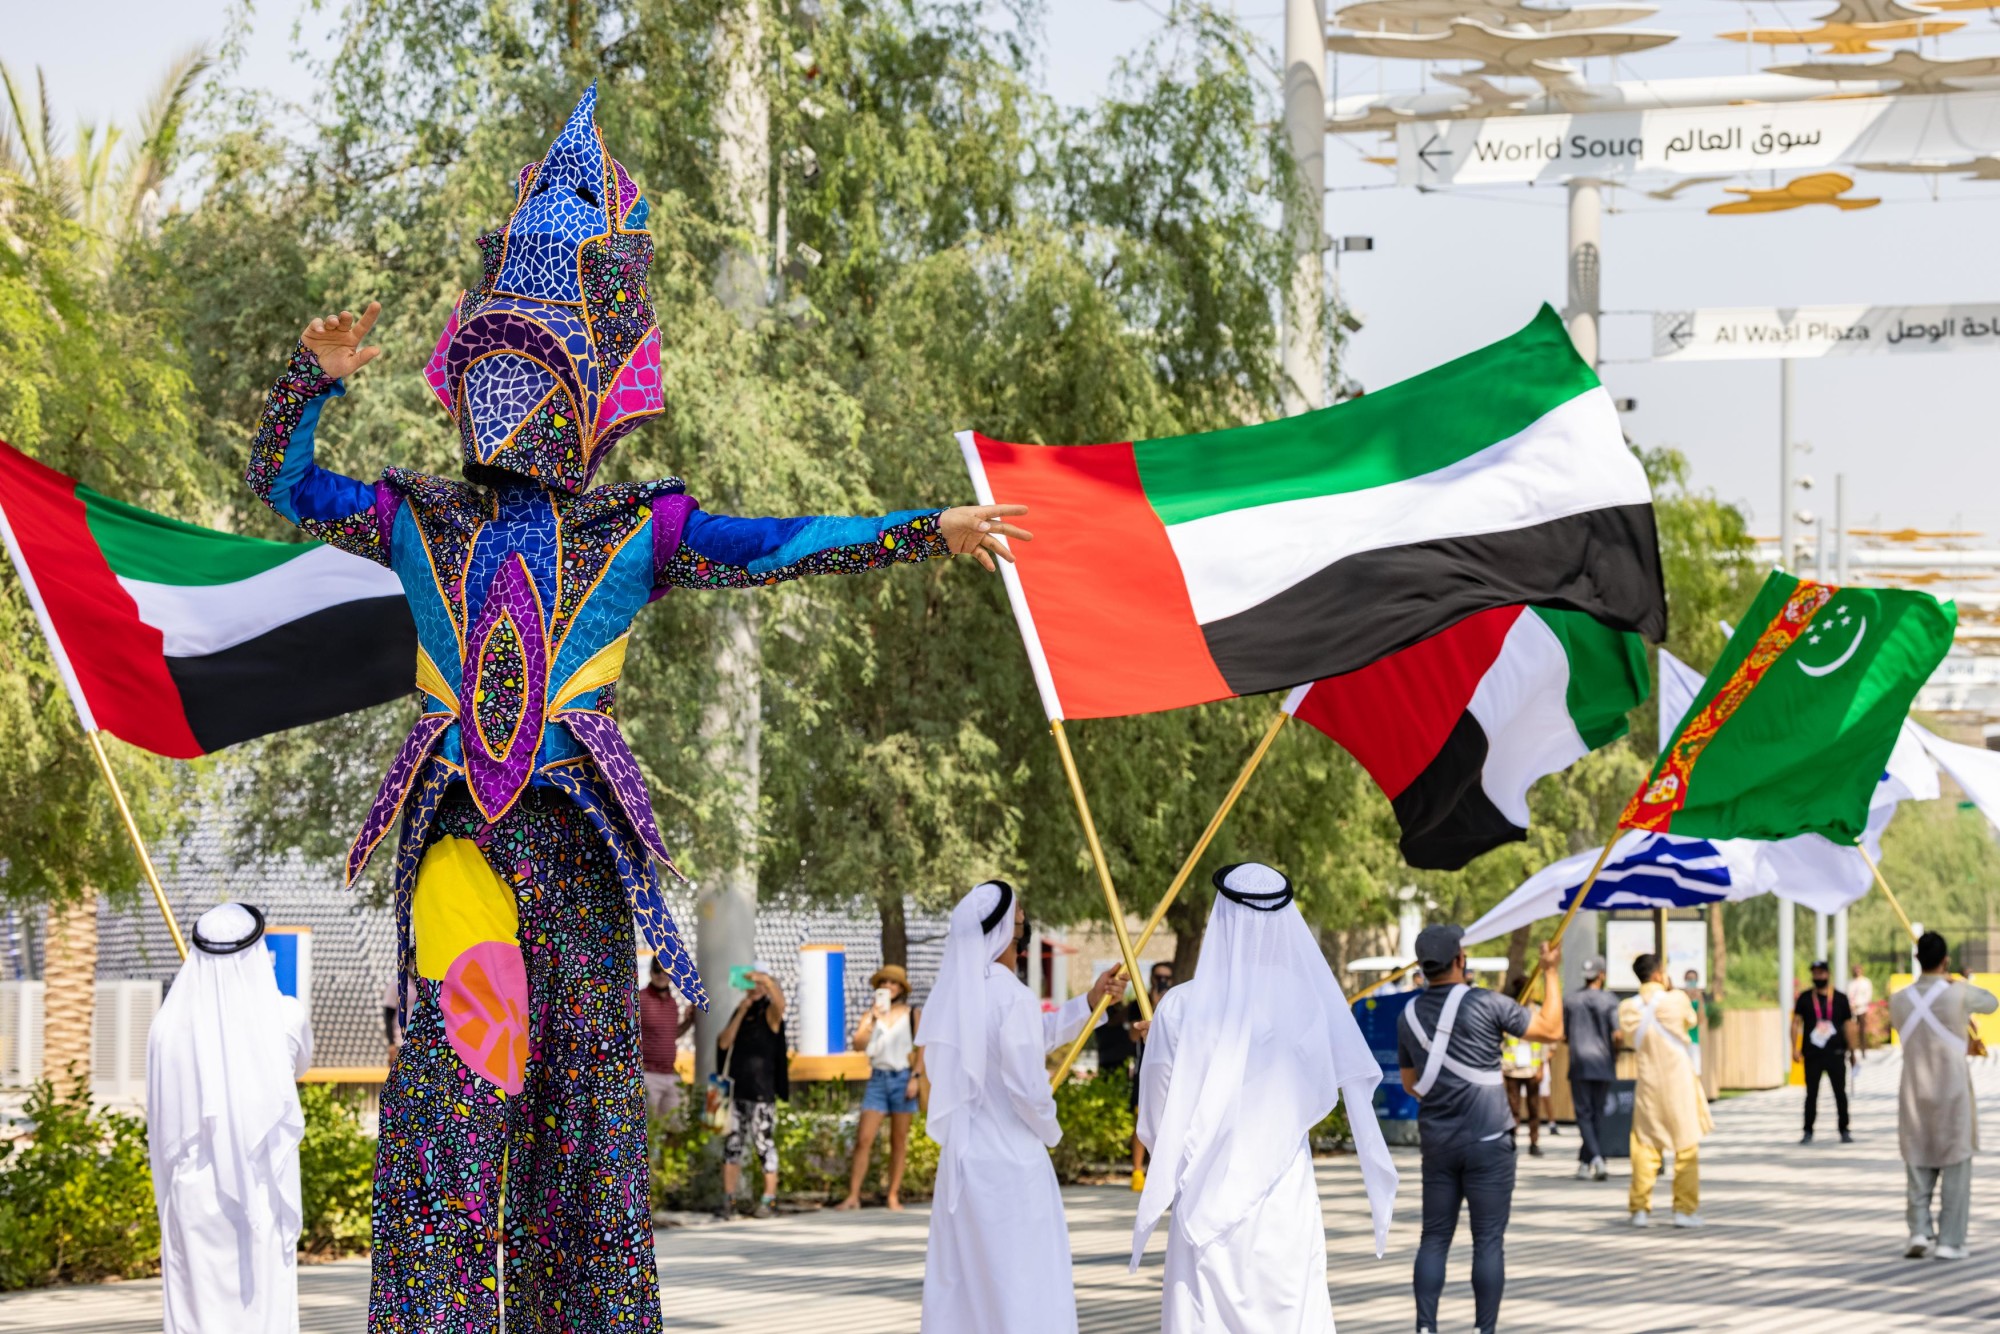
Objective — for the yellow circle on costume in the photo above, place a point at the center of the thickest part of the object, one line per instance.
(459, 902)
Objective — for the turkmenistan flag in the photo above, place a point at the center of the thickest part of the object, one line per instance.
(1793, 727)
(1169, 572)
(182, 640)
(1457, 728)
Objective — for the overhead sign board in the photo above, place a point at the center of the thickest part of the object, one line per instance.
(1754, 333)
(1686, 141)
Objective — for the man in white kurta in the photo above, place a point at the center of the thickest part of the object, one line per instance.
(1937, 1126)
(1669, 1109)
(1241, 1064)
(998, 1260)
(223, 1124)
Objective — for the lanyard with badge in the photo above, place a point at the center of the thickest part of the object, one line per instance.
(1822, 1032)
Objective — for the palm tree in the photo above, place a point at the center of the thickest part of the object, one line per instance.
(108, 185)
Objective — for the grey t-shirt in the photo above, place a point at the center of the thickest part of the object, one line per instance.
(1455, 1111)
(1590, 1017)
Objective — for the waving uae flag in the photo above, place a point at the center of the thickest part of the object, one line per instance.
(1170, 572)
(182, 640)
(1457, 728)
(1792, 730)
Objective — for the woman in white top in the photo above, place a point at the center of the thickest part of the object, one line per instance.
(888, 1033)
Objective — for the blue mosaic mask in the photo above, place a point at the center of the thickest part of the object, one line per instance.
(557, 354)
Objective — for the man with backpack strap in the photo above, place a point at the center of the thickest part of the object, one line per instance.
(1448, 1048)
(1669, 1110)
(1935, 1123)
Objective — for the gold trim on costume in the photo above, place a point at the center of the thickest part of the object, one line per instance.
(600, 669)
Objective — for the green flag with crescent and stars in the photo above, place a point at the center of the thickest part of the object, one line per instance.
(1790, 731)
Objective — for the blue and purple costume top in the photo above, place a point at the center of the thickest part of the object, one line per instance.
(523, 580)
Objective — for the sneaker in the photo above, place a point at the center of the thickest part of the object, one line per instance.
(1138, 1178)
(1584, 1172)
(1950, 1253)
(1806, 1138)
(1689, 1220)
(1846, 1137)
(766, 1207)
(1597, 1172)
(1534, 1150)
(725, 1211)
(1643, 1218)
(1918, 1249)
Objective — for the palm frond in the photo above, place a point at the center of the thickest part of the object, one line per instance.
(158, 148)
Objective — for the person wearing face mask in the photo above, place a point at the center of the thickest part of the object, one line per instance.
(998, 1256)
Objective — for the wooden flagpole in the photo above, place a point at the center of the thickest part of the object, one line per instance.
(1174, 889)
(88, 723)
(1111, 904)
(1535, 977)
(138, 843)
(1381, 982)
(1887, 893)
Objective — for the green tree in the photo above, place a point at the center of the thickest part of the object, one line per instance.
(88, 387)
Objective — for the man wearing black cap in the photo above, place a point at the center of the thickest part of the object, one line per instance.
(1825, 1040)
(1592, 1019)
(1448, 1047)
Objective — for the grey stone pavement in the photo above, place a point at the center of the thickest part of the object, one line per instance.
(1798, 1239)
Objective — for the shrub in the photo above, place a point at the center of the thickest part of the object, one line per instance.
(815, 1136)
(76, 1205)
(336, 1173)
(1096, 1117)
(1332, 1133)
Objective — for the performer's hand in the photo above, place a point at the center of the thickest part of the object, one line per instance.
(976, 530)
(1552, 955)
(1141, 1027)
(1110, 982)
(336, 341)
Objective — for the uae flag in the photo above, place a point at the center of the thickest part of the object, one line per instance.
(183, 640)
(1170, 572)
(1457, 728)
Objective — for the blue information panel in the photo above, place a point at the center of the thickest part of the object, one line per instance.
(1377, 1016)
(284, 947)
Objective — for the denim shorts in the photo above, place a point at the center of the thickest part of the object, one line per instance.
(888, 1092)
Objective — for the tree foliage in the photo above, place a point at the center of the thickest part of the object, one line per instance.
(987, 259)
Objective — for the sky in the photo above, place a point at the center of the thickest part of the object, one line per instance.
(1454, 270)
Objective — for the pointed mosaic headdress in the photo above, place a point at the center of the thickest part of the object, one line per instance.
(556, 355)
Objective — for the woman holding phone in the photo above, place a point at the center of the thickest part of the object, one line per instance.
(888, 1033)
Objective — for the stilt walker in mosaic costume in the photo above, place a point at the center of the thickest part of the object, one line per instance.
(527, 838)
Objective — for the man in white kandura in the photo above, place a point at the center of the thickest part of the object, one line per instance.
(1241, 1064)
(1937, 1123)
(998, 1261)
(223, 1122)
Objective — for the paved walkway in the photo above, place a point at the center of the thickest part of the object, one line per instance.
(1798, 1239)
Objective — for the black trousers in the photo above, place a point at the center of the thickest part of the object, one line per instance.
(1589, 1096)
(1832, 1064)
(1480, 1176)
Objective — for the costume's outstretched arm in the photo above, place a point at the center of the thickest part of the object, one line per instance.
(338, 510)
(718, 551)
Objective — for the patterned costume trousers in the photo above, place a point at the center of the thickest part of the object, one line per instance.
(516, 1111)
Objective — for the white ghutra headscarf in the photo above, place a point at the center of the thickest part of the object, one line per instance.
(954, 1030)
(219, 1068)
(1233, 1124)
